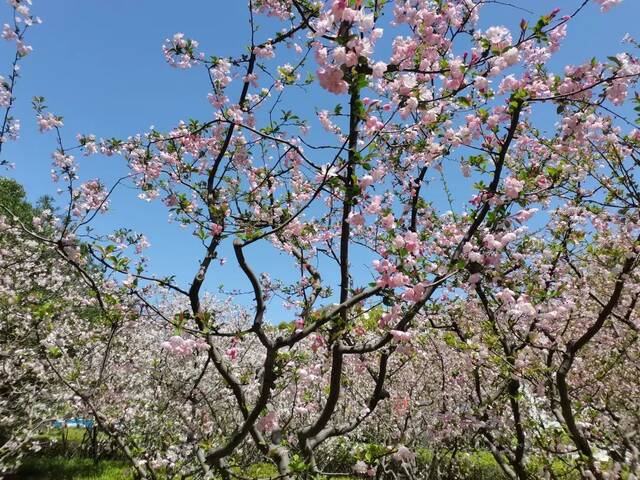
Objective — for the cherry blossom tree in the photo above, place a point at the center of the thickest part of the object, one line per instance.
(459, 272)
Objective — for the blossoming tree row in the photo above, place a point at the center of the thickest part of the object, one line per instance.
(459, 272)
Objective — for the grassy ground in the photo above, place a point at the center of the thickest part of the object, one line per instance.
(60, 468)
(479, 467)
(70, 463)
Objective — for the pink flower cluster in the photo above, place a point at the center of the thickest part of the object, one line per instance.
(48, 121)
(513, 187)
(8, 33)
(389, 275)
(499, 37)
(268, 423)
(332, 79)
(273, 8)
(92, 196)
(180, 52)
(182, 347)
(606, 5)
(362, 468)
(401, 336)
(5, 94)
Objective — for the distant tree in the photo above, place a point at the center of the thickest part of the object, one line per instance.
(14, 199)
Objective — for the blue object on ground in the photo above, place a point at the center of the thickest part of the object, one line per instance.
(73, 423)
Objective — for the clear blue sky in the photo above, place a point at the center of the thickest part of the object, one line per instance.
(99, 64)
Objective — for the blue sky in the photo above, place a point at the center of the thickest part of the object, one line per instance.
(99, 64)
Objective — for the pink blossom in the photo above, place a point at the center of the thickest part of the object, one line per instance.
(474, 278)
(490, 242)
(356, 219)
(273, 8)
(412, 243)
(513, 187)
(398, 241)
(5, 93)
(232, 353)
(373, 125)
(378, 69)
(389, 317)
(366, 181)
(388, 222)
(265, 51)
(268, 423)
(508, 84)
(323, 116)
(414, 294)
(360, 467)
(179, 51)
(23, 49)
(506, 296)
(481, 83)
(508, 238)
(92, 196)
(606, 5)
(523, 307)
(401, 336)
(375, 205)
(524, 215)
(476, 257)
(331, 79)
(511, 56)
(216, 229)
(142, 244)
(404, 455)
(398, 280)
(8, 33)
(179, 346)
(318, 342)
(499, 37)
(326, 172)
(48, 121)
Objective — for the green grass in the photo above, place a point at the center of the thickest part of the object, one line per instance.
(60, 468)
(265, 471)
(477, 465)
(75, 435)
